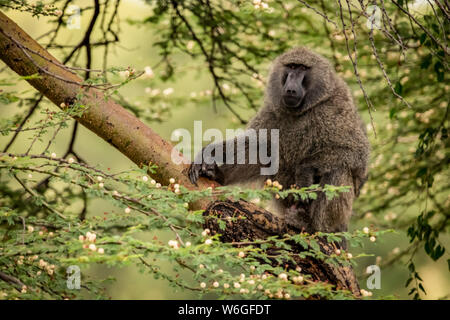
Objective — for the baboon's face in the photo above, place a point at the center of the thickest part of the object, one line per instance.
(293, 85)
(299, 80)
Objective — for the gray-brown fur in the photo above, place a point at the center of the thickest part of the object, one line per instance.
(323, 142)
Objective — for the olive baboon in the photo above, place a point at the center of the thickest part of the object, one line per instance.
(322, 140)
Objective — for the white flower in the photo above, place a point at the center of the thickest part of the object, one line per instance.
(71, 160)
(337, 252)
(101, 250)
(124, 74)
(148, 72)
(81, 238)
(215, 284)
(92, 247)
(203, 285)
(373, 239)
(190, 45)
(152, 182)
(188, 244)
(366, 230)
(158, 185)
(186, 205)
(364, 293)
(241, 254)
(42, 263)
(99, 178)
(237, 285)
(226, 285)
(172, 243)
(30, 176)
(30, 229)
(282, 276)
(53, 155)
(176, 186)
(101, 185)
(168, 91)
(349, 255)
(287, 296)
(115, 193)
(171, 180)
(90, 236)
(208, 241)
(127, 210)
(145, 178)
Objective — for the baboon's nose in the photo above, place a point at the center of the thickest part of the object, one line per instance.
(291, 92)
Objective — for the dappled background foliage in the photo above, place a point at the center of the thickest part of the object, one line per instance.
(172, 62)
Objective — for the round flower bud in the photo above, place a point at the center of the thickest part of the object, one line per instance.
(215, 284)
(172, 180)
(282, 276)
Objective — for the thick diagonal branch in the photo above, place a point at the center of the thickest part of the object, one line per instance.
(103, 116)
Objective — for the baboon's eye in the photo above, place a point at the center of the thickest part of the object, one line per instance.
(294, 66)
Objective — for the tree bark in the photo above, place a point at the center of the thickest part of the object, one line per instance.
(143, 146)
(260, 224)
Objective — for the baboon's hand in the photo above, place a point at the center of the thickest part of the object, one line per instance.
(210, 171)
